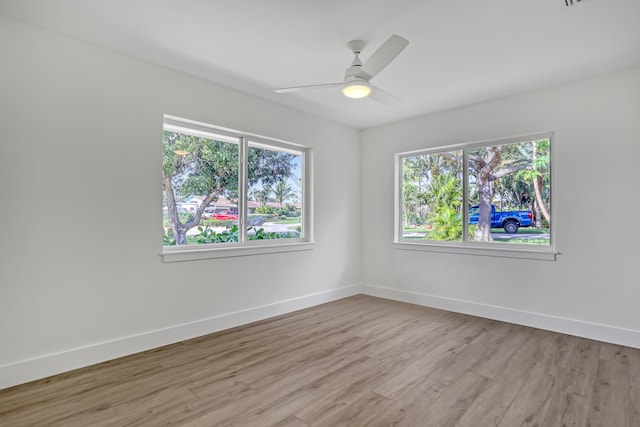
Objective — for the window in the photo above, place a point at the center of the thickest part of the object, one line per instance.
(493, 195)
(227, 193)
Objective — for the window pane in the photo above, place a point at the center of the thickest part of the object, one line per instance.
(432, 196)
(275, 192)
(509, 193)
(200, 188)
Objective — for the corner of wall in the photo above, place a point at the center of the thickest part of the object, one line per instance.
(594, 331)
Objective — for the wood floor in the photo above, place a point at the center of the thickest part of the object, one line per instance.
(360, 361)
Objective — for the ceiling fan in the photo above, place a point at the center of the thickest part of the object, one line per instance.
(357, 77)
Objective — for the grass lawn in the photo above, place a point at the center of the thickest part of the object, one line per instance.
(286, 220)
(522, 230)
(415, 230)
(498, 234)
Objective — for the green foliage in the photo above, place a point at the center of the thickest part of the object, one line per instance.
(540, 167)
(183, 217)
(200, 165)
(283, 191)
(444, 196)
(415, 171)
(218, 223)
(167, 238)
(260, 234)
(444, 190)
(207, 235)
(268, 166)
(262, 194)
(428, 180)
(289, 211)
(230, 235)
(264, 209)
(515, 190)
(446, 223)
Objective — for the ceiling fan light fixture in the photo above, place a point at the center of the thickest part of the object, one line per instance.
(356, 90)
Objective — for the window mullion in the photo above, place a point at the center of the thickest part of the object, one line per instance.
(242, 190)
(465, 195)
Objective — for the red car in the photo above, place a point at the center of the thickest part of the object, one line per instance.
(225, 216)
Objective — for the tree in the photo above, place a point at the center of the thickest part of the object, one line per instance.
(538, 176)
(424, 186)
(262, 194)
(283, 191)
(445, 197)
(541, 163)
(486, 166)
(202, 166)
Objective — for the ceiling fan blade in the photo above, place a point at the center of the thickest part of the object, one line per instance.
(383, 97)
(298, 88)
(384, 55)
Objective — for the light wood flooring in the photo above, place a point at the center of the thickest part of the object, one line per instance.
(360, 361)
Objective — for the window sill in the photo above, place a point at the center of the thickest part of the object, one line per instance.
(545, 254)
(192, 254)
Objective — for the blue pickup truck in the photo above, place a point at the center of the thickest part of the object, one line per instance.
(510, 221)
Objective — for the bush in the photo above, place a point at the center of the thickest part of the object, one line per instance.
(168, 239)
(208, 235)
(264, 209)
(289, 211)
(446, 223)
(218, 223)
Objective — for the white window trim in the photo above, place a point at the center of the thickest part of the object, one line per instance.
(199, 252)
(505, 250)
(247, 247)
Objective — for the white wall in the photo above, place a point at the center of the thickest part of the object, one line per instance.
(593, 289)
(81, 278)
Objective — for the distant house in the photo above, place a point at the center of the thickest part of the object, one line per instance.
(193, 199)
(251, 206)
(223, 204)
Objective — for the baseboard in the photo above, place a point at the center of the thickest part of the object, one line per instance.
(51, 364)
(595, 331)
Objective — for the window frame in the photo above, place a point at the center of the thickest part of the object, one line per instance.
(467, 247)
(245, 247)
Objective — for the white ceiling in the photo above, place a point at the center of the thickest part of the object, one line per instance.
(460, 52)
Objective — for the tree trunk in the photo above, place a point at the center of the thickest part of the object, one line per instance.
(537, 214)
(492, 159)
(179, 229)
(483, 232)
(537, 185)
(179, 233)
